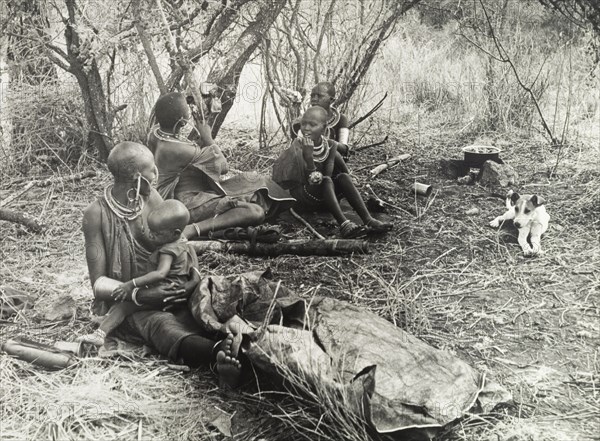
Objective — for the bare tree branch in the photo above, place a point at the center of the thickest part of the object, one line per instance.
(327, 18)
(216, 30)
(147, 45)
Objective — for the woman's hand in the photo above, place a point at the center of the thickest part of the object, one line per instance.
(315, 177)
(161, 296)
(122, 292)
(345, 149)
(205, 134)
(307, 142)
(190, 286)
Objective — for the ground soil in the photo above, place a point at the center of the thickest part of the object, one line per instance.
(443, 274)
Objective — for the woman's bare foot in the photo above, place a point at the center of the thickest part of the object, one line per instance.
(229, 367)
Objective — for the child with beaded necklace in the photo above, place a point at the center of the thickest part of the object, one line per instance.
(317, 176)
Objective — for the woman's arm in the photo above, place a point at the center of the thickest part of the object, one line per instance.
(330, 162)
(343, 136)
(159, 296)
(191, 284)
(95, 253)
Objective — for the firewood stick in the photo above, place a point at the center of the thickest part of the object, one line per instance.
(16, 217)
(375, 144)
(328, 247)
(391, 162)
(307, 225)
(17, 194)
(46, 182)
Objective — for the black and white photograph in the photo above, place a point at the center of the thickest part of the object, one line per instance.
(300, 220)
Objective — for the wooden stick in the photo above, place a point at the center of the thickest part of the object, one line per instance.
(387, 203)
(369, 113)
(393, 161)
(59, 179)
(307, 225)
(16, 217)
(17, 194)
(46, 182)
(328, 247)
(375, 144)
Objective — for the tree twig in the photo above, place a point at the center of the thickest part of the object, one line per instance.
(505, 59)
(306, 224)
(45, 183)
(375, 144)
(369, 113)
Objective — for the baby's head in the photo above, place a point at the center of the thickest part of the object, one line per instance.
(167, 221)
(314, 123)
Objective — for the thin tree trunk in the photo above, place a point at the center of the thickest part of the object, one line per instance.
(140, 26)
(5, 120)
(89, 79)
(227, 74)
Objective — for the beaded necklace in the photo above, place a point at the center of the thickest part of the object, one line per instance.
(120, 210)
(321, 152)
(164, 136)
(335, 118)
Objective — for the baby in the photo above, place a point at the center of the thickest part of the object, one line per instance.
(317, 177)
(175, 262)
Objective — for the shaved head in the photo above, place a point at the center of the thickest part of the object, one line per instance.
(316, 112)
(128, 158)
(168, 216)
(171, 109)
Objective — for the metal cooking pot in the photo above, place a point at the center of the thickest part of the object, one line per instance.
(476, 155)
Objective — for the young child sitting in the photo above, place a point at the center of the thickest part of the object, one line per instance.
(175, 261)
(317, 176)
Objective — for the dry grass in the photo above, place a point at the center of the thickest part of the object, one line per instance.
(446, 277)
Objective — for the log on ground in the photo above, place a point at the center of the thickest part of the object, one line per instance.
(327, 247)
(19, 218)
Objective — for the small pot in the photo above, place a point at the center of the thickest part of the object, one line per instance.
(422, 189)
(74, 347)
(476, 155)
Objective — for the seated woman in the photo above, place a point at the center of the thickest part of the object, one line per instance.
(118, 246)
(316, 175)
(323, 95)
(191, 173)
